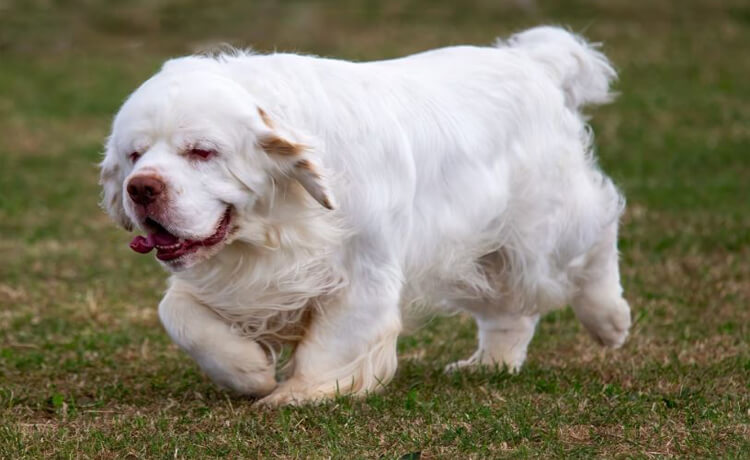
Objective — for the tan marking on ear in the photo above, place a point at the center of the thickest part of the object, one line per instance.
(275, 144)
(305, 164)
(311, 180)
(266, 119)
(279, 146)
(326, 203)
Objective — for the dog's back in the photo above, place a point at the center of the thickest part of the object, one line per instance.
(471, 150)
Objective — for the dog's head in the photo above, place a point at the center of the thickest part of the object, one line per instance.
(190, 158)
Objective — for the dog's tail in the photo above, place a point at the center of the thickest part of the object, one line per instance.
(583, 73)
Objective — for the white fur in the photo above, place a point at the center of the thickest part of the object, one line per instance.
(461, 178)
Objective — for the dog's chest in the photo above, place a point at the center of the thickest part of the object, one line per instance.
(263, 299)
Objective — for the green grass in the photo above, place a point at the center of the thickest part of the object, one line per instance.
(86, 370)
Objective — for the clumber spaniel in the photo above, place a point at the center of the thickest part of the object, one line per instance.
(313, 203)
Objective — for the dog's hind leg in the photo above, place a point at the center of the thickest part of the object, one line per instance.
(598, 302)
(503, 339)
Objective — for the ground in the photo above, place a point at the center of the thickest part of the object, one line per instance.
(86, 370)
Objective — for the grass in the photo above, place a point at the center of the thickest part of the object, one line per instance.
(86, 371)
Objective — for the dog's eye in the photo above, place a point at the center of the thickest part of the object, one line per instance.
(134, 157)
(201, 154)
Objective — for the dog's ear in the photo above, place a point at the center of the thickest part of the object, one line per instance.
(311, 179)
(294, 159)
(111, 178)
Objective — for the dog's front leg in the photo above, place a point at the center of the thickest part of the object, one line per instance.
(350, 346)
(232, 361)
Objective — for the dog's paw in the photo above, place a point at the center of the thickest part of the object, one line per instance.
(610, 327)
(510, 362)
(459, 365)
(240, 366)
(280, 398)
(290, 393)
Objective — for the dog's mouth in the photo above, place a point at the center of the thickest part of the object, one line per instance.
(170, 247)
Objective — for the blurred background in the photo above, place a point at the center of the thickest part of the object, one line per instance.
(83, 358)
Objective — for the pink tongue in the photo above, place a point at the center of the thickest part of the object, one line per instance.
(163, 238)
(144, 244)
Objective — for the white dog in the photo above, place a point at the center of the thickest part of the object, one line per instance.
(314, 202)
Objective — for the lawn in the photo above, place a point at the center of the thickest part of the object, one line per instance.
(87, 371)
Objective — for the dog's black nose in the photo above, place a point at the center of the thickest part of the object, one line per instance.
(144, 190)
